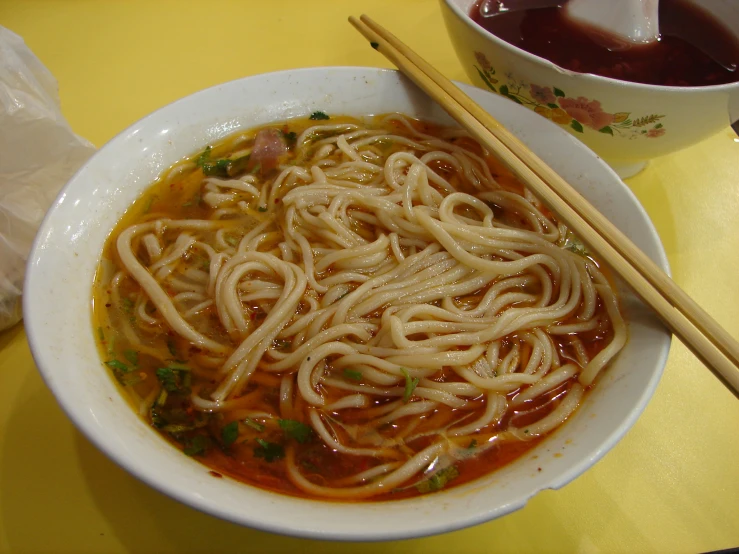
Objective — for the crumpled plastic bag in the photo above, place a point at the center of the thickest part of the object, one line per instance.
(38, 154)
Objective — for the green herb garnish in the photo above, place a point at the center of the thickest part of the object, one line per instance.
(438, 480)
(174, 379)
(132, 356)
(149, 202)
(204, 157)
(352, 375)
(171, 347)
(296, 430)
(101, 334)
(318, 116)
(374, 45)
(231, 241)
(222, 167)
(219, 168)
(410, 385)
(472, 444)
(123, 373)
(127, 304)
(270, 451)
(290, 136)
(157, 420)
(262, 208)
(118, 365)
(254, 424)
(230, 433)
(238, 165)
(196, 446)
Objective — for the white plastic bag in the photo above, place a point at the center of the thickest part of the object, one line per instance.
(38, 154)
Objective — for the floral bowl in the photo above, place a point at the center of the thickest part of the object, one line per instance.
(625, 123)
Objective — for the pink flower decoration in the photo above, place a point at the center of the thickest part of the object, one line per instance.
(654, 133)
(543, 95)
(587, 112)
(483, 61)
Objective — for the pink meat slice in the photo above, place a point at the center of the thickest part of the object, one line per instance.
(268, 147)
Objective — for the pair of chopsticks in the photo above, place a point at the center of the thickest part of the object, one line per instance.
(718, 350)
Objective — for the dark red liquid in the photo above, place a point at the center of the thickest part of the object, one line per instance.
(691, 44)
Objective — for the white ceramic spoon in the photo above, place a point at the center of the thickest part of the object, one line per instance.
(625, 21)
(634, 21)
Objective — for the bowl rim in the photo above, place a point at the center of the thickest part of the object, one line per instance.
(84, 423)
(589, 77)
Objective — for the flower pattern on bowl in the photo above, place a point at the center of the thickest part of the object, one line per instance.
(577, 113)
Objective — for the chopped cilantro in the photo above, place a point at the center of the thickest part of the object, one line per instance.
(101, 335)
(132, 356)
(123, 373)
(157, 420)
(149, 202)
(574, 244)
(254, 424)
(127, 305)
(318, 116)
(296, 430)
(352, 375)
(438, 480)
(290, 136)
(220, 168)
(204, 157)
(174, 379)
(118, 365)
(196, 446)
(473, 444)
(171, 347)
(238, 165)
(230, 433)
(410, 385)
(270, 451)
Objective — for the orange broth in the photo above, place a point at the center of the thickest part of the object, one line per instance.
(178, 198)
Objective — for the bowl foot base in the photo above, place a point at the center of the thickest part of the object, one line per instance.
(628, 170)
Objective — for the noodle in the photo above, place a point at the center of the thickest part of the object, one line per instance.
(361, 313)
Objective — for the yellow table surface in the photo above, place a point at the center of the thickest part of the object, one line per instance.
(671, 485)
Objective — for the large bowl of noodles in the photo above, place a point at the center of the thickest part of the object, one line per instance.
(70, 343)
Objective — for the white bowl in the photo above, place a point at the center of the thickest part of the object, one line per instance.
(70, 241)
(624, 123)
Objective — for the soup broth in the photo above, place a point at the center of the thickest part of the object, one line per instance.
(694, 49)
(350, 309)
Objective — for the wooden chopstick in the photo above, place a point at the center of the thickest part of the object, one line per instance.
(712, 344)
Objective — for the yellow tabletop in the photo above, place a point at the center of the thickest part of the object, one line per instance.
(671, 485)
